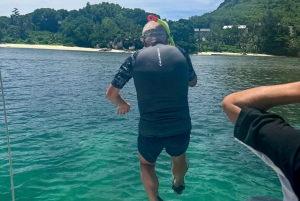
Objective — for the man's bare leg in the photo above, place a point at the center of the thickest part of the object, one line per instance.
(179, 169)
(149, 178)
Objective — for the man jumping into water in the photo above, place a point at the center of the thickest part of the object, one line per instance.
(162, 74)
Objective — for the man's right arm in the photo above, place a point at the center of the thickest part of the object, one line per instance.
(192, 74)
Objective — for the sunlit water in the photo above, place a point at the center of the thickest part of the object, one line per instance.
(68, 143)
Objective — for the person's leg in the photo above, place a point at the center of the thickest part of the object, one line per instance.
(176, 148)
(179, 169)
(149, 178)
(149, 149)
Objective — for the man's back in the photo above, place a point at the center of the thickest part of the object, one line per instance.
(161, 77)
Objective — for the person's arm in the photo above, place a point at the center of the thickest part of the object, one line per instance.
(114, 96)
(120, 79)
(192, 74)
(193, 82)
(261, 98)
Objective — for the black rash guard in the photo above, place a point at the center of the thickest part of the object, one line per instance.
(161, 74)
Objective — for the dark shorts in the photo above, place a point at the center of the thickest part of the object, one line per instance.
(151, 147)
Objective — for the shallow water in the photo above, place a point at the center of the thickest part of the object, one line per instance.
(68, 143)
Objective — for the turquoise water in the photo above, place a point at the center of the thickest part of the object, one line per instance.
(68, 143)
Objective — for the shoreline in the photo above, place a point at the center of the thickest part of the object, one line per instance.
(60, 47)
(231, 54)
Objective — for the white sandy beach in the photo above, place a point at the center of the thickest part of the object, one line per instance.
(56, 47)
(231, 54)
(59, 47)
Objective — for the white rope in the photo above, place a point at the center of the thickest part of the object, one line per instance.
(8, 144)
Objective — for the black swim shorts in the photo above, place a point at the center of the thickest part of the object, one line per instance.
(151, 147)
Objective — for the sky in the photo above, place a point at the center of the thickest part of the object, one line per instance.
(167, 9)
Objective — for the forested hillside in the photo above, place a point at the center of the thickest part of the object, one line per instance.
(100, 25)
(272, 27)
(250, 12)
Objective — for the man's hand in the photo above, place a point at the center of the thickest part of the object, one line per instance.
(123, 109)
(113, 95)
(193, 82)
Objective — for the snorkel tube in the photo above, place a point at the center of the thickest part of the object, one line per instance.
(155, 19)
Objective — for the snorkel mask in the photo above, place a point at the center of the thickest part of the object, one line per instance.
(155, 19)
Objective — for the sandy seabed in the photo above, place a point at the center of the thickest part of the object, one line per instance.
(58, 47)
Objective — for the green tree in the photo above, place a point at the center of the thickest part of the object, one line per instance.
(274, 37)
(79, 29)
(1, 35)
(46, 19)
(183, 34)
(14, 17)
(294, 46)
(62, 14)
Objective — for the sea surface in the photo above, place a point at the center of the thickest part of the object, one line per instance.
(68, 143)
